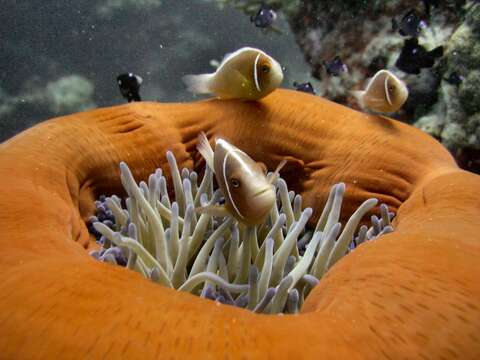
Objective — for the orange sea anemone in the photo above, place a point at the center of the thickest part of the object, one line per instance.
(413, 294)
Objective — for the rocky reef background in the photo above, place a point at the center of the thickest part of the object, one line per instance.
(444, 100)
(60, 57)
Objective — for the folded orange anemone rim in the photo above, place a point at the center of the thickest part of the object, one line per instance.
(265, 268)
(413, 293)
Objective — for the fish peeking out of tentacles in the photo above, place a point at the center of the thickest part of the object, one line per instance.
(248, 74)
(249, 192)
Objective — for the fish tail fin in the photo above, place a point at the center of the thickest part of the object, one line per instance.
(204, 148)
(358, 95)
(198, 84)
(437, 52)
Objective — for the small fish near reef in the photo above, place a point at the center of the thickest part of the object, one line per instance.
(385, 93)
(129, 85)
(248, 74)
(264, 18)
(249, 193)
(454, 78)
(306, 87)
(415, 57)
(410, 24)
(335, 67)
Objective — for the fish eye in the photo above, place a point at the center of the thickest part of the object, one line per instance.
(390, 88)
(235, 182)
(265, 69)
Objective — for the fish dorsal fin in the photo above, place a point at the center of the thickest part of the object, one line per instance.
(274, 176)
(238, 76)
(204, 148)
(387, 92)
(255, 72)
(226, 56)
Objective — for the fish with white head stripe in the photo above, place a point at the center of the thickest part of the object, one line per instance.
(249, 193)
(247, 73)
(385, 93)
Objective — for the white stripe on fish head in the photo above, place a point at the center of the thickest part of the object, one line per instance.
(227, 185)
(387, 93)
(255, 72)
(234, 151)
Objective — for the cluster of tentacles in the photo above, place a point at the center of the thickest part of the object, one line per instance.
(269, 268)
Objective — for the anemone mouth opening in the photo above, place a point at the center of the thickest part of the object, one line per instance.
(267, 268)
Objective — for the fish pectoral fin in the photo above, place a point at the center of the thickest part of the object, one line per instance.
(213, 210)
(241, 79)
(204, 148)
(263, 167)
(376, 101)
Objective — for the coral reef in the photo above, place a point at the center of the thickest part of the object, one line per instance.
(413, 293)
(325, 29)
(454, 119)
(67, 94)
(71, 93)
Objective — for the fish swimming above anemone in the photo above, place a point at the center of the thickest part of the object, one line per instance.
(129, 85)
(247, 73)
(385, 93)
(264, 17)
(249, 193)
